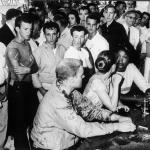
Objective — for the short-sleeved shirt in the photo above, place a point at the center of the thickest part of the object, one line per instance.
(82, 54)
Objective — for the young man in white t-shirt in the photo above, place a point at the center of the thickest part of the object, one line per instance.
(77, 50)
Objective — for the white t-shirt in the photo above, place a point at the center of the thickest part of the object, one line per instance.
(96, 45)
(83, 55)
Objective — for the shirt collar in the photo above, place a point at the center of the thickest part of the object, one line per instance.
(10, 27)
(65, 31)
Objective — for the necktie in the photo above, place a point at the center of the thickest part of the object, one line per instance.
(129, 34)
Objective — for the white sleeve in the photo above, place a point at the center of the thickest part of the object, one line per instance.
(139, 79)
(3, 66)
(74, 124)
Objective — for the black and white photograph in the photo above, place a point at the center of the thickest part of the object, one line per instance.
(74, 75)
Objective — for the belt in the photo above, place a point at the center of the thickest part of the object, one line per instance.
(12, 82)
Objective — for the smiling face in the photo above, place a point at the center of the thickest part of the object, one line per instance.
(122, 61)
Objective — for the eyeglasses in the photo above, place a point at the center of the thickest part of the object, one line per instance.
(131, 17)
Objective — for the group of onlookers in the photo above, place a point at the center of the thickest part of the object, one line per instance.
(63, 69)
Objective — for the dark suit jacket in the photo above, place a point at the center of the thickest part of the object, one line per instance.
(115, 35)
(6, 35)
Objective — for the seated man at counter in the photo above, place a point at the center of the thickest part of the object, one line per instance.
(56, 125)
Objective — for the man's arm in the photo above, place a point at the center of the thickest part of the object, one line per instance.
(20, 71)
(71, 122)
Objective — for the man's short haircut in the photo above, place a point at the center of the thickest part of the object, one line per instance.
(146, 13)
(129, 12)
(62, 18)
(138, 12)
(84, 8)
(51, 26)
(11, 13)
(110, 6)
(104, 61)
(67, 67)
(94, 16)
(78, 28)
(25, 17)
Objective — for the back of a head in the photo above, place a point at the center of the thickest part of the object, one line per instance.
(62, 18)
(67, 67)
(12, 13)
(25, 17)
(104, 61)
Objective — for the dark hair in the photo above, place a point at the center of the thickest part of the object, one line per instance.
(129, 53)
(104, 61)
(51, 26)
(139, 13)
(146, 13)
(78, 28)
(110, 6)
(11, 13)
(75, 13)
(119, 3)
(36, 26)
(62, 18)
(129, 12)
(32, 11)
(25, 17)
(84, 8)
(95, 16)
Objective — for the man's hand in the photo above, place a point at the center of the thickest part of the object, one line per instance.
(20, 70)
(124, 107)
(126, 127)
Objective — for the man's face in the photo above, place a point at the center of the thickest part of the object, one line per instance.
(92, 9)
(25, 30)
(130, 5)
(122, 61)
(121, 8)
(78, 38)
(91, 26)
(77, 80)
(144, 19)
(130, 19)
(51, 36)
(83, 14)
(109, 14)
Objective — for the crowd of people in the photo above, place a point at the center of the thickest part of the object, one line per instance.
(63, 67)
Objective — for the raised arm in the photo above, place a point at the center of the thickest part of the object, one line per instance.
(109, 102)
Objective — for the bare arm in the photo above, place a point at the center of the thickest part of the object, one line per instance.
(109, 102)
(20, 71)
